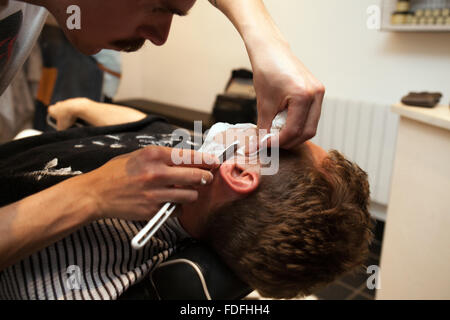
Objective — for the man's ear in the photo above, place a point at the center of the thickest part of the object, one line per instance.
(239, 178)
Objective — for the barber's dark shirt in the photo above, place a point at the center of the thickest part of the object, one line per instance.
(97, 261)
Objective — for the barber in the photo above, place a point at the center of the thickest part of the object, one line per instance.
(140, 181)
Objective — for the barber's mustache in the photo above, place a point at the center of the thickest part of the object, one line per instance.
(129, 45)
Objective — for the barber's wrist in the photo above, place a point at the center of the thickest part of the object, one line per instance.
(79, 189)
(263, 49)
(256, 39)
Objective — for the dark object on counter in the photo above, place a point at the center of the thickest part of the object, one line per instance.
(234, 109)
(422, 99)
(238, 103)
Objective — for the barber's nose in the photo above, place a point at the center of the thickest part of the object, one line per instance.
(160, 32)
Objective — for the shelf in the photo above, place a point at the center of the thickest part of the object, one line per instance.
(416, 28)
(180, 116)
(389, 6)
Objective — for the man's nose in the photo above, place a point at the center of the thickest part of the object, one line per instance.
(159, 32)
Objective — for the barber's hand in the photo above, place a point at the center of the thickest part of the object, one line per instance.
(282, 82)
(134, 186)
(66, 112)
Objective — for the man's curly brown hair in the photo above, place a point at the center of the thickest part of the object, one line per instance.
(300, 230)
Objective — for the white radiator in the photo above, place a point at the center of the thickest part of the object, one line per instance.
(365, 133)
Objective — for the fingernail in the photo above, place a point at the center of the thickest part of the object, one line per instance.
(207, 179)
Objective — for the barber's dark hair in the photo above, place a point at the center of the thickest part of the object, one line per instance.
(300, 230)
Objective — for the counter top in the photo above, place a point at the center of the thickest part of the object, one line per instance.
(179, 116)
(438, 116)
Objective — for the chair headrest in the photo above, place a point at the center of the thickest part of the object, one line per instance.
(196, 273)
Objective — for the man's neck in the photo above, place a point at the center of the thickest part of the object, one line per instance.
(194, 215)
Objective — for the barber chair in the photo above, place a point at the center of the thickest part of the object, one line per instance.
(194, 273)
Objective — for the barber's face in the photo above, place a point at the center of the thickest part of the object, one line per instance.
(122, 24)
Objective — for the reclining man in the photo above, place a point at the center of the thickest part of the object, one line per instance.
(284, 235)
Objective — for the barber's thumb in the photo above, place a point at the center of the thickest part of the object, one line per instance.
(265, 123)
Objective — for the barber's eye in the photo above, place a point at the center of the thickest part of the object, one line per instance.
(159, 10)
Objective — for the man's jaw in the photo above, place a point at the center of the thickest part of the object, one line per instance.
(193, 215)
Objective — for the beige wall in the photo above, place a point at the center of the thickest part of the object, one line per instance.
(329, 36)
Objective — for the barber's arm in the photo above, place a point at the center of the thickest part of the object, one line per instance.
(94, 113)
(281, 80)
(132, 187)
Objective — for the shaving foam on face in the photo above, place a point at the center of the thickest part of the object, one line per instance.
(241, 150)
(213, 147)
